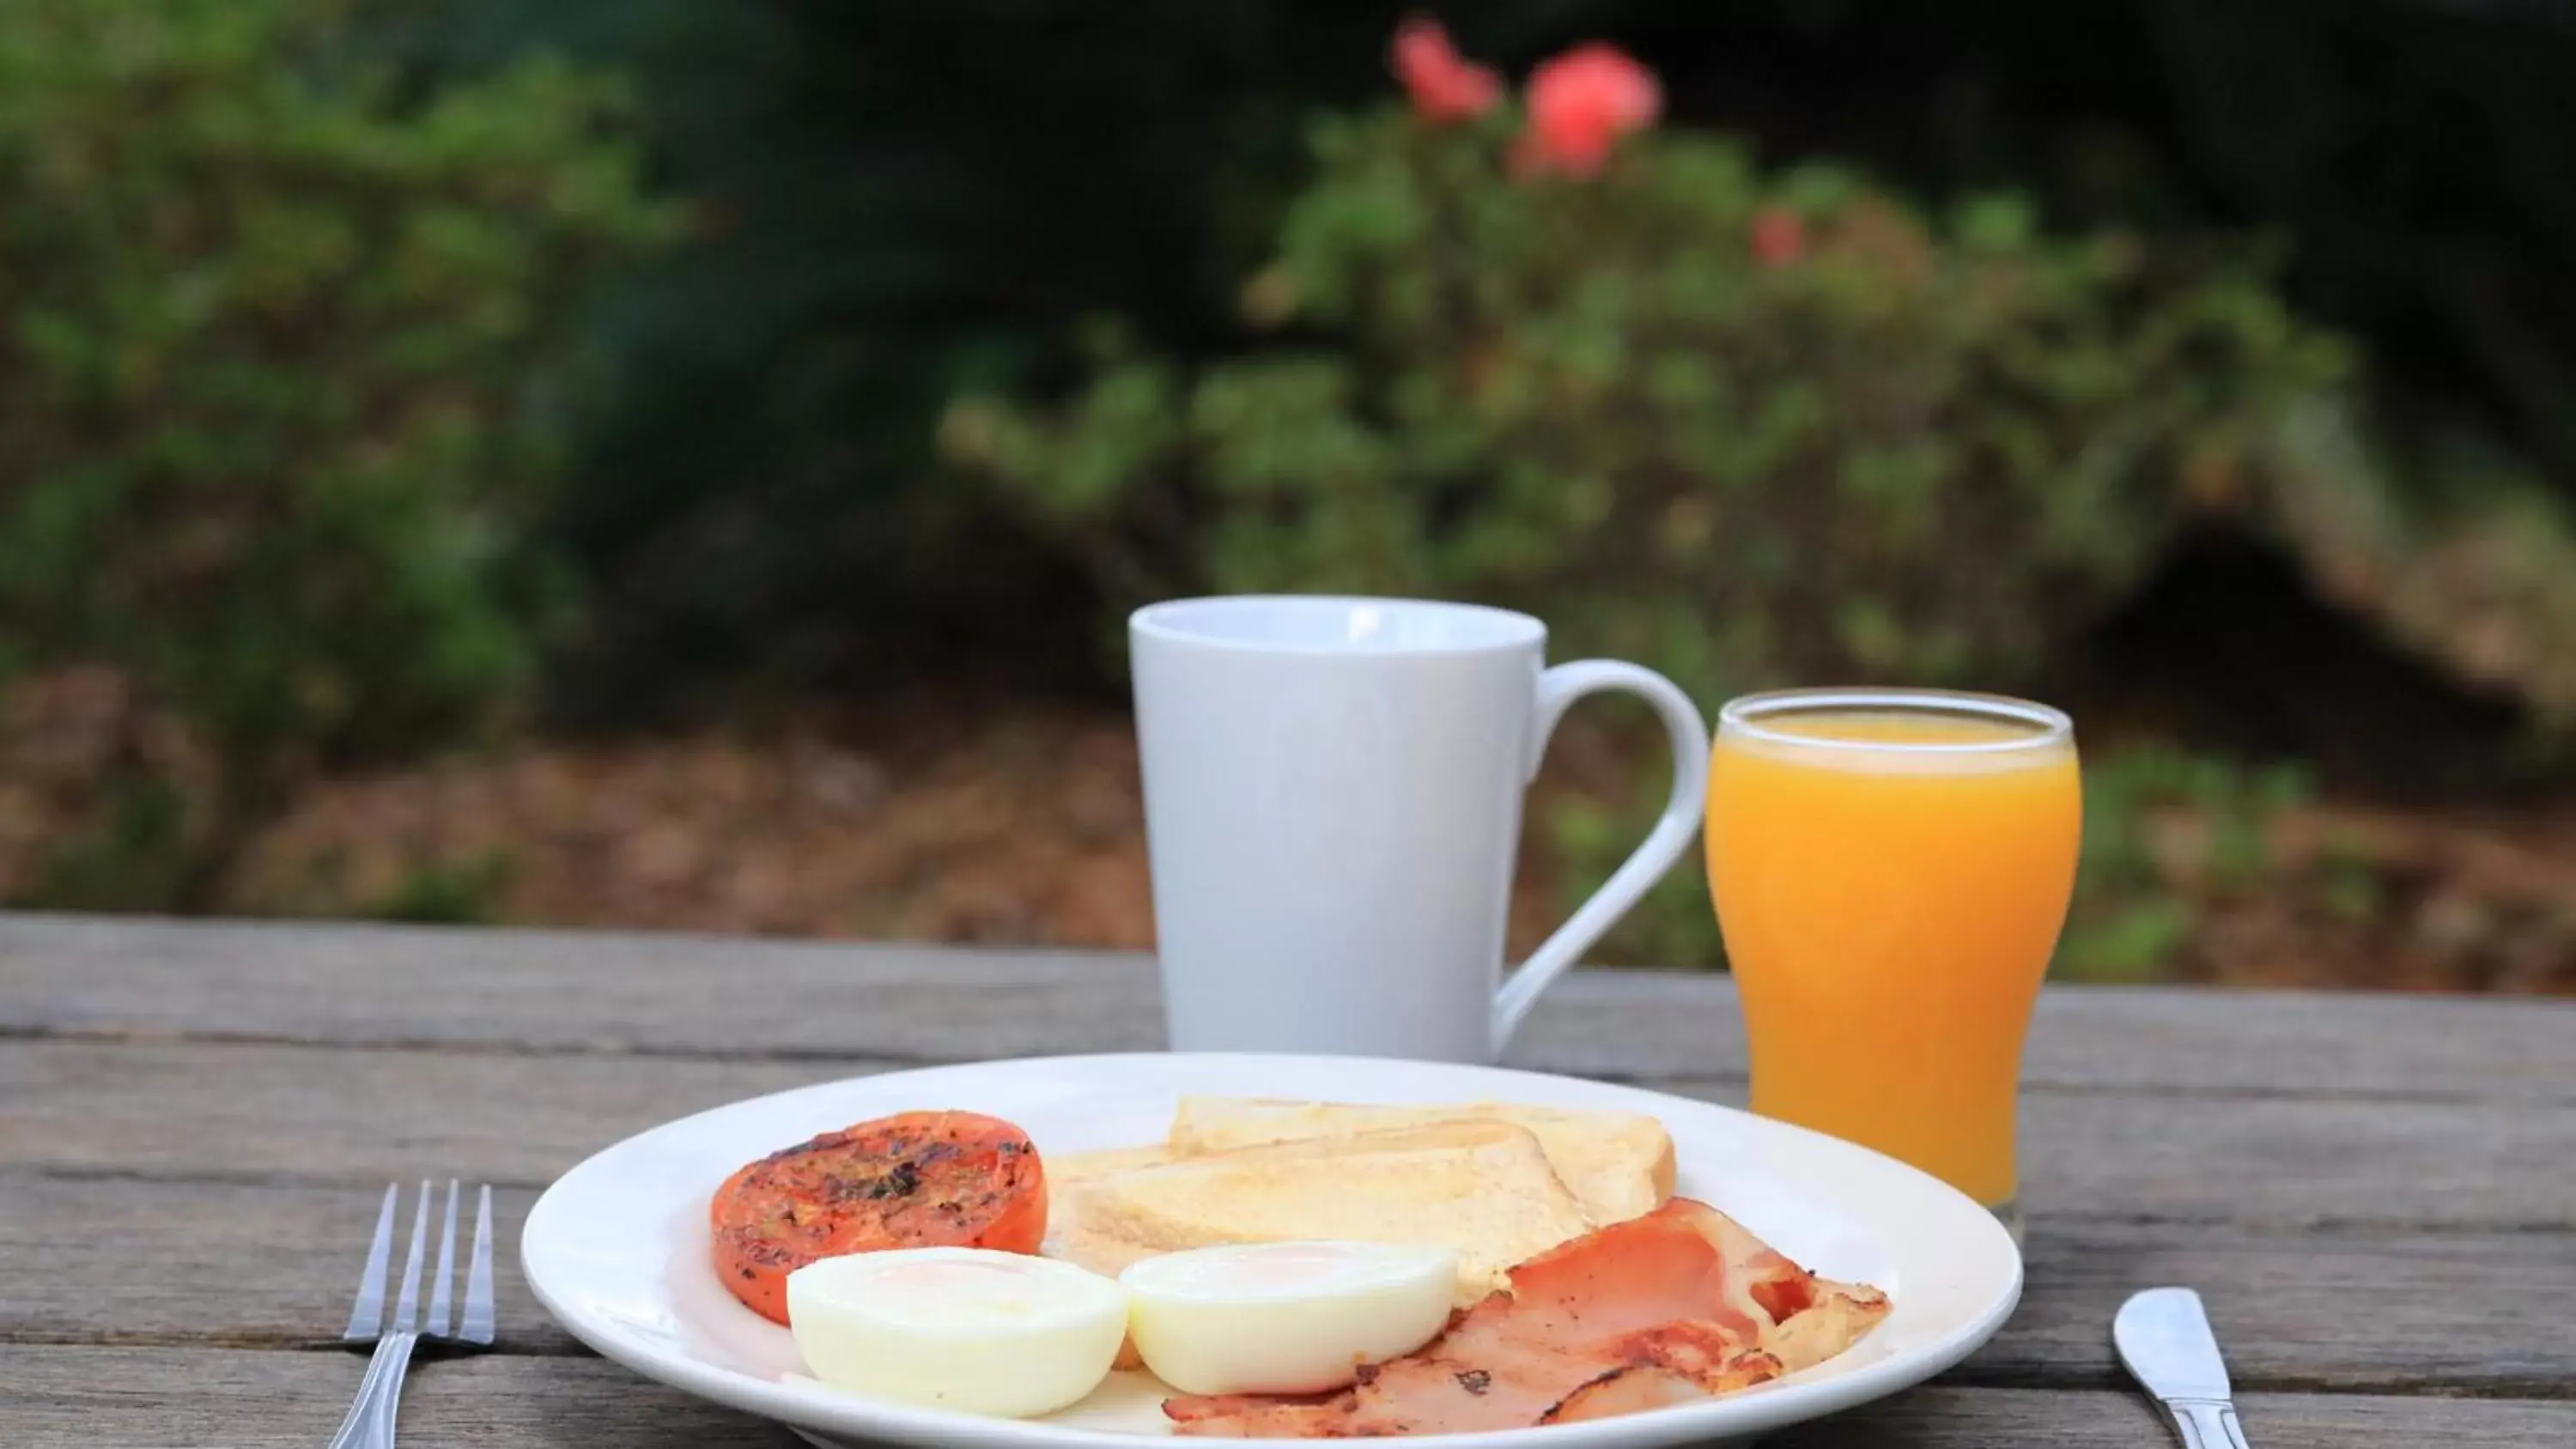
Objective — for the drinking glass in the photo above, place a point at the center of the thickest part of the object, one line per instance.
(1891, 869)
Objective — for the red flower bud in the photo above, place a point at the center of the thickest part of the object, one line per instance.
(1580, 103)
(1445, 86)
(1779, 236)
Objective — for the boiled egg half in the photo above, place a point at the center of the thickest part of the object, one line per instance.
(957, 1328)
(1285, 1318)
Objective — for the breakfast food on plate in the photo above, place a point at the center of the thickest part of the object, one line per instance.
(920, 1179)
(1285, 1318)
(1677, 1305)
(1482, 1188)
(957, 1328)
(1289, 1269)
(1619, 1164)
(1495, 1180)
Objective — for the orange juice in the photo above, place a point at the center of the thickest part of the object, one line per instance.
(1891, 870)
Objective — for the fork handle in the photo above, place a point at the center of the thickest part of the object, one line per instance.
(369, 1423)
(353, 1424)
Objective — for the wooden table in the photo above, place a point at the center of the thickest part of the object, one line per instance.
(2376, 1195)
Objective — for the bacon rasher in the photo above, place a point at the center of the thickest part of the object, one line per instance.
(1676, 1305)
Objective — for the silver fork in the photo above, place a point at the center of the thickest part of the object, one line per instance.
(369, 1423)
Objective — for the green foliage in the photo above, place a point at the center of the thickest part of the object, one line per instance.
(909, 200)
(1674, 924)
(269, 384)
(135, 847)
(901, 201)
(2164, 831)
(1920, 450)
(2461, 555)
(450, 893)
(2167, 832)
(1914, 449)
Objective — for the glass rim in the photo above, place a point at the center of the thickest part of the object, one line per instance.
(1743, 715)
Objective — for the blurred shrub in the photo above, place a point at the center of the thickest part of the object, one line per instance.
(1674, 924)
(2167, 832)
(450, 893)
(911, 200)
(1745, 427)
(2458, 553)
(95, 790)
(2169, 835)
(1748, 428)
(898, 202)
(269, 389)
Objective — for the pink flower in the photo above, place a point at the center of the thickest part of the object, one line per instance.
(1580, 103)
(1445, 86)
(1779, 237)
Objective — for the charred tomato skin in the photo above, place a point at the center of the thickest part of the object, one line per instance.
(913, 1180)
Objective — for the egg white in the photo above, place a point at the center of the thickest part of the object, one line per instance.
(1285, 1318)
(957, 1328)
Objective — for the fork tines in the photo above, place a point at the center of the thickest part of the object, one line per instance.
(367, 1318)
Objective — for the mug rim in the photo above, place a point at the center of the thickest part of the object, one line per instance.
(1164, 621)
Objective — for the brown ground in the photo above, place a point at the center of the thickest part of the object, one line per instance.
(1027, 828)
(2458, 901)
(994, 819)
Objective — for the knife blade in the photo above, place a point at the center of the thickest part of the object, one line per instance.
(2164, 1340)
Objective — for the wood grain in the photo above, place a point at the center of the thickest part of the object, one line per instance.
(1939, 1417)
(245, 1265)
(165, 1398)
(2376, 1195)
(338, 1114)
(2479, 1313)
(154, 1398)
(566, 991)
(270, 1265)
(345, 1114)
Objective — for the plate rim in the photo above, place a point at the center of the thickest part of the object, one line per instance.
(838, 1415)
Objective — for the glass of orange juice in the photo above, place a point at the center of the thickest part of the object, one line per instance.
(1891, 867)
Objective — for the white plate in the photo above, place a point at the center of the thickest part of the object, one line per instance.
(618, 1249)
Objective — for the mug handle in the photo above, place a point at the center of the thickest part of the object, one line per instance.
(1558, 688)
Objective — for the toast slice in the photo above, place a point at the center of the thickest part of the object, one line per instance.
(1481, 1187)
(1071, 1180)
(1075, 1169)
(1619, 1165)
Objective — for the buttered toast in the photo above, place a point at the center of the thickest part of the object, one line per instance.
(1482, 1187)
(1619, 1165)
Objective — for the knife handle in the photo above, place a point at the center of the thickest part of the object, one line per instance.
(2204, 1423)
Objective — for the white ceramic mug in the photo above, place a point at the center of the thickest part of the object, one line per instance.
(1332, 806)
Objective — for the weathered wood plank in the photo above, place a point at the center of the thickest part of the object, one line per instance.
(584, 991)
(2300, 1309)
(339, 1114)
(344, 1114)
(2362, 1187)
(164, 1398)
(2287, 1161)
(246, 1264)
(1939, 1417)
(79, 1398)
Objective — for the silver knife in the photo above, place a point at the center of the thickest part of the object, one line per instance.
(2163, 1336)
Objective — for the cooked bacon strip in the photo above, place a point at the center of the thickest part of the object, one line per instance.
(1673, 1306)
